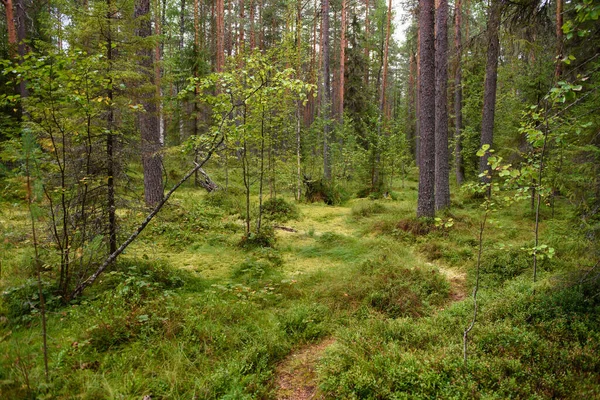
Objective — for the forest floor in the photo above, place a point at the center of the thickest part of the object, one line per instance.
(359, 300)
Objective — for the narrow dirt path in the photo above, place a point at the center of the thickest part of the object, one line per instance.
(296, 375)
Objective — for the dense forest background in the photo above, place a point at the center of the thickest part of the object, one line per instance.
(139, 137)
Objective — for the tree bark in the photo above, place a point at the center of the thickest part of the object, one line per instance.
(491, 77)
(241, 34)
(23, 49)
(559, 40)
(326, 96)
(367, 50)
(110, 138)
(148, 120)
(382, 98)
(10, 25)
(442, 164)
(342, 63)
(425, 203)
(458, 121)
(220, 57)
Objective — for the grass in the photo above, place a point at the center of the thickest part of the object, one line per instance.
(188, 313)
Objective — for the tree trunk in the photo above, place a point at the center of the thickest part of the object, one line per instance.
(367, 38)
(491, 76)
(342, 64)
(181, 55)
(442, 164)
(10, 25)
(157, 73)
(411, 134)
(252, 34)
(110, 138)
(326, 96)
(559, 40)
(220, 57)
(382, 98)
(426, 204)
(149, 124)
(241, 35)
(458, 121)
(23, 49)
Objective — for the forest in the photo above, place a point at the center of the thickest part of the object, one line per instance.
(299, 199)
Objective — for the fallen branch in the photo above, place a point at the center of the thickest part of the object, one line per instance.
(285, 228)
(111, 258)
(206, 182)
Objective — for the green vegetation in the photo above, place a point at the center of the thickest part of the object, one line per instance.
(187, 312)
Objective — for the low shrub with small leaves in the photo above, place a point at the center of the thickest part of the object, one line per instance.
(277, 209)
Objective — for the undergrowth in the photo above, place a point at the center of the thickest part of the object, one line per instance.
(379, 283)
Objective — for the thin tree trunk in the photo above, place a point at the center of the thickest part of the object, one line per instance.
(37, 261)
(241, 35)
(491, 77)
(382, 98)
(342, 64)
(110, 137)
(181, 55)
(458, 121)
(442, 164)
(411, 134)
(23, 49)
(367, 40)
(10, 25)
(326, 96)
(220, 57)
(559, 40)
(149, 124)
(252, 34)
(157, 73)
(426, 204)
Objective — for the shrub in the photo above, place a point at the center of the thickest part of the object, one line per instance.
(366, 209)
(305, 322)
(326, 192)
(279, 210)
(264, 238)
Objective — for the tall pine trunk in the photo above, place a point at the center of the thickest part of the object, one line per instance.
(110, 138)
(220, 57)
(491, 78)
(442, 165)
(559, 39)
(326, 89)
(342, 64)
(458, 117)
(425, 203)
(10, 25)
(148, 121)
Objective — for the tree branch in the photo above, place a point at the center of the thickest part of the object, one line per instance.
(111, 258)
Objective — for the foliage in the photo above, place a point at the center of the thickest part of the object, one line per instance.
(277, 209)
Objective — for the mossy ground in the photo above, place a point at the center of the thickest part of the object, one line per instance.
(188, 313)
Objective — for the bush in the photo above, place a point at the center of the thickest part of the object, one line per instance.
(326, 192)
(20, 302)
(366, 209)
(501, 265)
(228, 201)
(264, 238)
(279, 210)
(305, 322)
